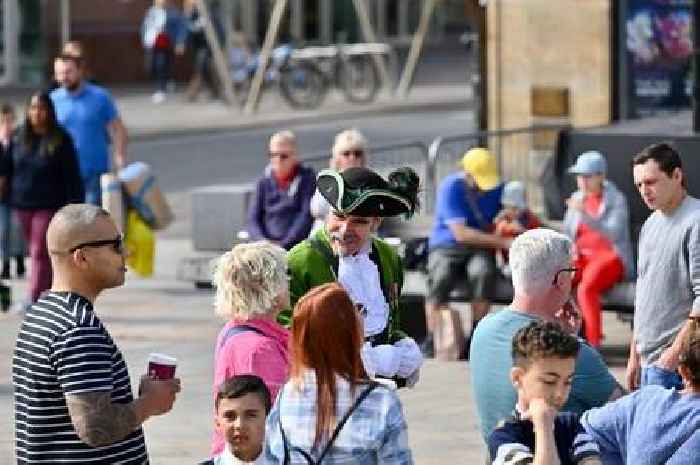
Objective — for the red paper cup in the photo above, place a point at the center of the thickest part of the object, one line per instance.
(161, 366)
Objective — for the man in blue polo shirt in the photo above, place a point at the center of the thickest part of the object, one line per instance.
(461, 244)
(90, 116)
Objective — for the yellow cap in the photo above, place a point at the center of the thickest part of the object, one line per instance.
(482, 165)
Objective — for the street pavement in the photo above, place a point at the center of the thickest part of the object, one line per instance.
(164, 315)
(145, 119)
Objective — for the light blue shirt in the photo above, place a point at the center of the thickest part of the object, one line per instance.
(491, 359)
(85, 114)
(650, 426)
(374, 433)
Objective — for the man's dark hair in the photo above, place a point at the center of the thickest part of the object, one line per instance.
(542, 339)
(7, 109)
(240, 385)
(664, 154)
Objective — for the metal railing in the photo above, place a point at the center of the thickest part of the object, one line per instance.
(522, 155)
(388, 157)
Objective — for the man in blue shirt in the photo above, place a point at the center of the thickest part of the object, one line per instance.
(88, 113)
(542, 272)
(461, 244)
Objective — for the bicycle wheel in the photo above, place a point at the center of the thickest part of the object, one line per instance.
(359, 79)
(303, 85)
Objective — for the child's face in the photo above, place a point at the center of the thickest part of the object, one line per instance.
(546, 378)
(242, 422)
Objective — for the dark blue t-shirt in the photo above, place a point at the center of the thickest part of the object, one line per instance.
(452, 207)
(513, 441)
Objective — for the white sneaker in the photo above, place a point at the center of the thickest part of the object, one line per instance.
(158, 97)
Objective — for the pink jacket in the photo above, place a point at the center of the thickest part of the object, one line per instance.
(264, 355)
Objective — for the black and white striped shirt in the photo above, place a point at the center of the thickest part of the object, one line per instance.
(62, 348)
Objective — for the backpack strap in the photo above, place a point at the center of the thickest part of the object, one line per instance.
(336, 432)
(238, 329)
(473, 202)
(371, 386)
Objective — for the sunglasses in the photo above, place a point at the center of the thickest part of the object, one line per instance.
(355, 153)
(280, 155)
(563, 270)
(117, 245)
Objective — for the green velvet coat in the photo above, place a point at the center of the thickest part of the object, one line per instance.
(309, 268)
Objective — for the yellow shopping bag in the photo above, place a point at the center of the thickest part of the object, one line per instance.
(140, 244)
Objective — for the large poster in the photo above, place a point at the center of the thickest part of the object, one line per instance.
(659, 48)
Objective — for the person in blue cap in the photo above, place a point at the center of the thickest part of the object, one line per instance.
(597, 221)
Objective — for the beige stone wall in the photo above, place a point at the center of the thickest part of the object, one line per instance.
(544, 43)
(562, 43)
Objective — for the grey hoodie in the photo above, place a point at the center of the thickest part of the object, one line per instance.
(613, 223)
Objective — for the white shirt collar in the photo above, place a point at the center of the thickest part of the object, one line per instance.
(227, 458)
(359, 276)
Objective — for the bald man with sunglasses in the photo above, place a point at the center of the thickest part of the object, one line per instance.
(73, 397)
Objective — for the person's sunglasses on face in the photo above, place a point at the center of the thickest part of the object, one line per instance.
(117, 245)
(357, 153)
(280, 155)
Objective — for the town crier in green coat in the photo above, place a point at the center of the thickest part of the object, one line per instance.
(347, 250)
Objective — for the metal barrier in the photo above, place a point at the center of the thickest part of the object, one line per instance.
(522, 155)
(386, 158)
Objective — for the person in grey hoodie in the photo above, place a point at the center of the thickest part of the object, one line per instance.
(597, 221)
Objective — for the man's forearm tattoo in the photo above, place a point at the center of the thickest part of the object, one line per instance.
(98, 421)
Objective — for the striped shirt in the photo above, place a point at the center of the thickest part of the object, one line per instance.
(513, 441)
(62, 348)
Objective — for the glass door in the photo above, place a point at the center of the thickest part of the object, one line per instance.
(9, 60)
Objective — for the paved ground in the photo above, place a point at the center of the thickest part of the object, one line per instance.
(161, 314)
(176, 116)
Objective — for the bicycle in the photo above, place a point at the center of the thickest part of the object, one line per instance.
(300, 83)
(350, 68)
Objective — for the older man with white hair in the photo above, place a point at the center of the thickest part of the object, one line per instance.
(541, 263)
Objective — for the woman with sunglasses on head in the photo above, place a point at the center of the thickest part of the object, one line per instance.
(329, 411)
(40, 176)
(597, 221)
(349, 151)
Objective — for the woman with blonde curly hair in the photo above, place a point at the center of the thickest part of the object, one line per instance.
(251, 288)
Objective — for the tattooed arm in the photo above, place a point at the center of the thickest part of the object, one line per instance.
(99, 422)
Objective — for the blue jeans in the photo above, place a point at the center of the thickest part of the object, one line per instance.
(654, 375)
(93, 190)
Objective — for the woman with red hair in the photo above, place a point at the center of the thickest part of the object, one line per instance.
(329, 410)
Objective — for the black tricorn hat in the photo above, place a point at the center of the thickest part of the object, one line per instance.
(362, 192)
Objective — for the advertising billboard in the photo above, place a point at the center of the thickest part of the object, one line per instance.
(658, 49)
